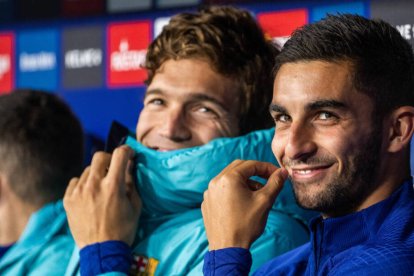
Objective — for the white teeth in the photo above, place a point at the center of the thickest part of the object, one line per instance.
(304, 171)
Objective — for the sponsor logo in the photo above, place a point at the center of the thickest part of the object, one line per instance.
(6, 62)
(406, 30)
(83, 57)
(143, 266)
(126, 59)
(41, 61)
(75, 59)
(4, 65)
(400, 16)
(127, 47)
(37, 59)
(279, 25)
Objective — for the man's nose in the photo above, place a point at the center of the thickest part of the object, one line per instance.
(175, 126)
(300, 143)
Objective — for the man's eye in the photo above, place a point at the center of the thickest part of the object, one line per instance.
(156, 101)
(326, 116)
(205, 112)
(282, 118)
(204, 109)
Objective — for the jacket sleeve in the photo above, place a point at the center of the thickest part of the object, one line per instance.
(227, 261)
(106, 258)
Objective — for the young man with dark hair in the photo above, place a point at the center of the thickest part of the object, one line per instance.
(41, 148)
(343, 104)
(209, 77)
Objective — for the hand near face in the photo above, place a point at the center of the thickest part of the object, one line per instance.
(235, 208)
(103, 203)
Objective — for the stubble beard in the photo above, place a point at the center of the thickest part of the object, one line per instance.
(346, 191)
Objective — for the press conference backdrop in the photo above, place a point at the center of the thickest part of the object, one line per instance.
(90, 51)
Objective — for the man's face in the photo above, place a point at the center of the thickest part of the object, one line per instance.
(325, 135)
(188, 104)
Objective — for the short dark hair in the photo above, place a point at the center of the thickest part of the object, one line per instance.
(41, 145)
(234, 45)
(383, 60)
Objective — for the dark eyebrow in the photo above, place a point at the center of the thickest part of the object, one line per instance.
(320, 104)
(274, 108)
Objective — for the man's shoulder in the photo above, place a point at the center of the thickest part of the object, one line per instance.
(376, 261)
(45, 246)
(383, 258)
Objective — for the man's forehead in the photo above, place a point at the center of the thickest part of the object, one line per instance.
(313, 77)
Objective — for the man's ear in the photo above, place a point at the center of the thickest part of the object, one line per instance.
(401, 128)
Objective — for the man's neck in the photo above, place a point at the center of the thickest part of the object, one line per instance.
(394, 170)
(14, 217)
(380, 194)
(390, 177)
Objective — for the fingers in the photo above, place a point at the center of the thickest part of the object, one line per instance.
(99, 165)
(129, 178)
(136, 201)
(119, 164)
(251, 168)
(254, 185)
(85, 175)
(71, 186)
(275, 183)
(103, 165)
(75, 182)
(244, 169)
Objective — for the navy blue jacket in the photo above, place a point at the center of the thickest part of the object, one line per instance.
(378, 240)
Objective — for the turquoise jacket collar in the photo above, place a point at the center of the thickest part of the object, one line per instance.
(45, 245)
(173, 182)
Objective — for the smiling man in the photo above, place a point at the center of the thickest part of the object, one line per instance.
(206, 104)
(327, 174)
(210, 101)
(343, 104)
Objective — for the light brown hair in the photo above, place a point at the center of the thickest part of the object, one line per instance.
(234, 45)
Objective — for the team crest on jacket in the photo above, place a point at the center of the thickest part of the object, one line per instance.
(143, 266)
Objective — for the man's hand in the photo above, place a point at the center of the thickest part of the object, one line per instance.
(103, 203)
(235, 208)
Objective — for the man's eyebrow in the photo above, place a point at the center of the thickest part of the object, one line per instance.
(274, 108)
(319, 104)
(193, 97)
(153, 91)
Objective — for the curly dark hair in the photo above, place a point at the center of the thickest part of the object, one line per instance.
(235, 47)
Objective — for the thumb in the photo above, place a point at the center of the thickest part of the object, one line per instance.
(275, 183)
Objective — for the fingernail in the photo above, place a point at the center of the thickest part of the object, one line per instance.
(284, 172)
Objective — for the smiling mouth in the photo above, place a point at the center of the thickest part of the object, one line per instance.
(309, 173)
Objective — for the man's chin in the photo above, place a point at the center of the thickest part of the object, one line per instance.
(308, 194)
